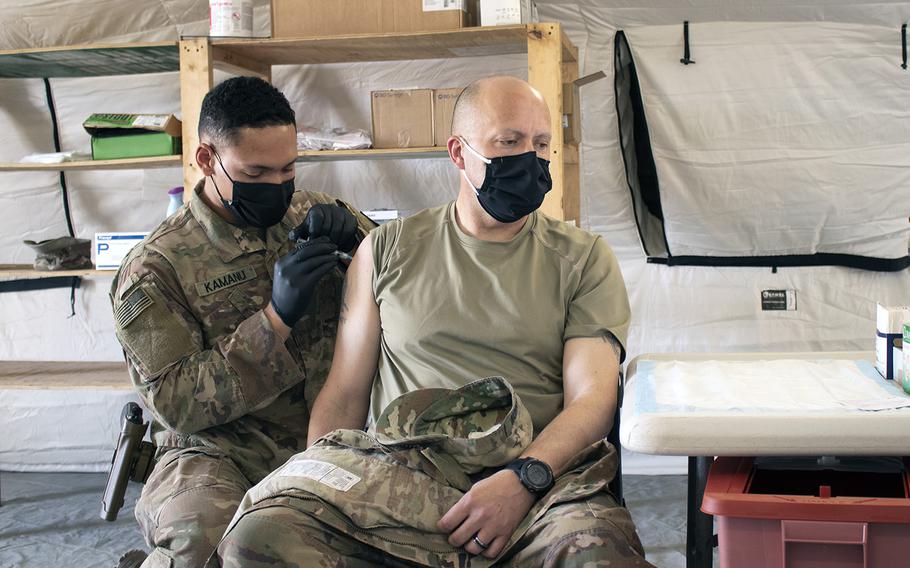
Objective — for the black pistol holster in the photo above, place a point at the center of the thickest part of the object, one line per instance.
(133, 459)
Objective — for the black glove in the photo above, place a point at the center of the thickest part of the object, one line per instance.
(296, 276)
(332, 221)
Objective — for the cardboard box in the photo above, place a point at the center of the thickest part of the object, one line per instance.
(571, 104)
(402, 118)
(889, 325)
(507, 12)
(133, 135)
(134, 146)
(111, 248)
(307, 18)
(443, 110)
(382, 216)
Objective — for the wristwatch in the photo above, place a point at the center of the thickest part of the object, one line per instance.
(535, 475)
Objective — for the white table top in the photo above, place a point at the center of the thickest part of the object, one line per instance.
(694, 417)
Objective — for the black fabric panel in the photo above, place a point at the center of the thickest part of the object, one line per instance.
(793, 260)
(64, 193)
(635, 142)
(647, 171)
(30, 284)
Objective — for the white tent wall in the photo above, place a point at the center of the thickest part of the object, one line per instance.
(820, 149)
(675, 309)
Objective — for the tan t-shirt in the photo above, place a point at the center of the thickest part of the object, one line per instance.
(455, 308)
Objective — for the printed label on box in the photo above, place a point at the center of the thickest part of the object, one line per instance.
(778, 300)
(380, 216)
(150, 120)
(443, 5)
(111, 248)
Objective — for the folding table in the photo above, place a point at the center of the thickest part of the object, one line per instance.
(703, 405)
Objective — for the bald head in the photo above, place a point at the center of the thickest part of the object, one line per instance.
(489, 102)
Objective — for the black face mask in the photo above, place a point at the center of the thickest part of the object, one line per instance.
(259, 205)
(514, 186)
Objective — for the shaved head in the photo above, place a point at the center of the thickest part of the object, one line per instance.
(493, 118)
(488, 100)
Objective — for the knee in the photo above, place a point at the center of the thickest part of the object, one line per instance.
(593, 546)
(268, 538)
(201, 511)
(189, 524)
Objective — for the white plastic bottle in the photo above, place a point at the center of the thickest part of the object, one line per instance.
(176, 200)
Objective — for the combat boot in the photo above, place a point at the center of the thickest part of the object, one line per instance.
(132, 559)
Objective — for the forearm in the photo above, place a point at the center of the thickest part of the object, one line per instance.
(243, 372)
(590, 374)
(334, 409)
(585, 421)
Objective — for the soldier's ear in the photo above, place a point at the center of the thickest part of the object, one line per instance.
(205, 159)
(456, 151)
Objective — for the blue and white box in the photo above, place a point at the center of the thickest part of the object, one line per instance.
(111, 248)
(889, 340)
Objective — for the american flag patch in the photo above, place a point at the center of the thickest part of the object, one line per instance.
(134, 304)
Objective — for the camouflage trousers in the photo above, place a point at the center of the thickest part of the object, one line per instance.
(578, 524)
(186, 504)
(591, 533)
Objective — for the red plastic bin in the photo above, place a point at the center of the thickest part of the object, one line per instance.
(760, 525)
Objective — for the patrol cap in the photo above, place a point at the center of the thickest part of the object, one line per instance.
(481, 424)
(61, 253)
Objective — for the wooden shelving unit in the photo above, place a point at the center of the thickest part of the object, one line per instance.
(552, 61)
(95, 60)
(27, 271)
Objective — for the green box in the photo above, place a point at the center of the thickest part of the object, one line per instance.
(134, 145)
(133, 135)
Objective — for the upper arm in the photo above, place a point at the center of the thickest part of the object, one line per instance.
(357, 343)
(152, 324)
(600, 303)
(591, 368)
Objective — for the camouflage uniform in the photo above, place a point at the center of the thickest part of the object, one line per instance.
(230, 401)
(388, 488)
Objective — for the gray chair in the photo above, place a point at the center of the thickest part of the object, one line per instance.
(615, 485)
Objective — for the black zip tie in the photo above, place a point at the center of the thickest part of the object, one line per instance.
(73, 286)
(904, 45)
(49, 96)
(686, 60)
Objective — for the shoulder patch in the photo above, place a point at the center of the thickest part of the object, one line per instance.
(227, 280)
(133, 305)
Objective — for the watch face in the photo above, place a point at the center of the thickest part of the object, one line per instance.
(537, 475)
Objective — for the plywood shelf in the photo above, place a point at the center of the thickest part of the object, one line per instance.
(46, 375)
(28, 271)
(371, 154)
(466, 42)
(93, 60)
(123, 164)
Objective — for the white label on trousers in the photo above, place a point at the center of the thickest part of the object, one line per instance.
(324, 472)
